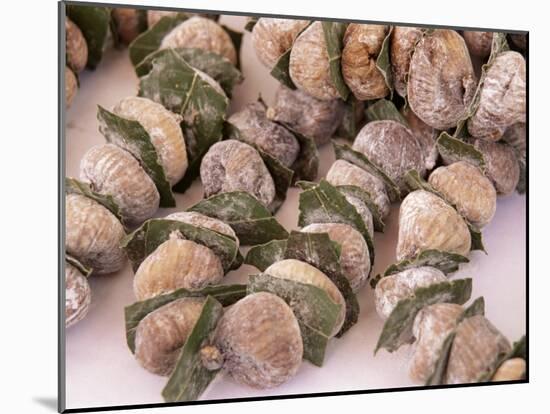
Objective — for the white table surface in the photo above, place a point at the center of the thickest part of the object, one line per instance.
(100, 369)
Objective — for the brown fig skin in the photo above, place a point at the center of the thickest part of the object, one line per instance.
(78, 295)
(479, 43)
(425, 135)
(71, 86)
(402, 43)
(441, 81)
(512, 369)
(127, 23)
(76, 47)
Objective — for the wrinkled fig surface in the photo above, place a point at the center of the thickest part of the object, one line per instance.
(78, 295)
(200, 220)
(93, 234)
(71, 86)
(402, 43)
(479, 43)
(260, 340)
(235, 166)
(425, 135)
(76, 46)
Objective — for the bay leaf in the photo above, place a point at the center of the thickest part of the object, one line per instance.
(334, 35)
(306, 166)
(519, 350)
(190, 378)
(86, 271)
(351, 122)
(453, 150)
(131, 136)
(383, 110)
(134, 313)
(521, 188)
(365, 197)
(281, 72)
(74, 186)
(397, 329)
(250, 220)
(264, 255)
(444, 261)
(383, 63)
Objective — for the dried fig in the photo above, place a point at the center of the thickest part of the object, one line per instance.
(354, 255)
(93, 234)
(271, 38)
(362, 44)
(516, 136)
(425, 135)
(428, 222)
(363, 210)
(402, 43)
(260, 341)
(202, 221)
(78, 295)
(512, 369)
(71, 86)
(127, 22)
(75, 46)
(441, 81)
(502, 99)
(235, 166)
(479, 43)
(519, 41)
(113, 171)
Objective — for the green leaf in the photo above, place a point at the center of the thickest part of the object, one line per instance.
(519, 350)
(364, 196)
(144, 240)
(312, 306)
(306, 166)
(476, 238)
(326, 204)
(250, 23)
(317, 250)
(281, 72)
(131, 136)
(397, 329)
(134, 313)
(150, 40)
(217, 67)
(453, 150)
(383, 62)
(190, 378)
(249, 219)
(383, 110)
(86, 271)
(334, 34)
(178, 87)
(345, 152)
(351, 121)
(74, 186)
(264, 255)
(521, 188)
(94, 22)
(444, 261)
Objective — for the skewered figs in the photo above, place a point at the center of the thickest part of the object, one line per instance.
(71, 86)
(298, 271)
(392, 147)
(232, 165)
(354, 255)
(425, 135)
(271, 38)
(309, 64)
(78, 295)
(427, 222)
(163, 332)
(502, 100)
(501, 165)
(476, 347)
(402, 42)
(164, 129)
(201, 33)
(93, 234)
(465, 186)
(127, 23)
(479, 43)
(75, 46)
(202, 221)
(441, 81)
(345, 173)
(431, 327)
(362, 44)
(312, 117)
(260, 341)
(512, 369)
(113, 171)
(393, 288)
(176, 264)
(256, 129)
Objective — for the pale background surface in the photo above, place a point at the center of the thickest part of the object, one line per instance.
(102, 371)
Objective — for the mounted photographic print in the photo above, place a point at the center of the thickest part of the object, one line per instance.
(263, 206)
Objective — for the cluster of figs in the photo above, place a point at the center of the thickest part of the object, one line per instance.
(437, 120)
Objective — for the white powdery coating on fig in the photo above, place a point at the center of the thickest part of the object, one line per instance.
(201, 33)
(309, 64)
(93, 234)
(431, 327)
(501, 165)
(362, 44)
(402, 42)
(345, 173)
(479, 43)
(512, 369)
(428, 222)
(298, 271)
(354, 255)
(76, 46)
(176, 264)
(71, 86)
(256, 129)
(271, 38)
(503, 96)
(363, 211)
(393, 288)
(113, 171)
(200, 220)
(425, 135)
(471, 192)
(232, 165)
(78, 295)
(441, 81)
(516, 136)
(163, 332)
(392, 148)
(476, 347)
(260, 340)
(310, 116)
(163, 128)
